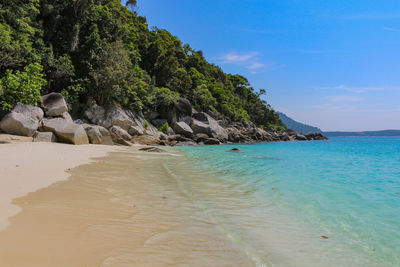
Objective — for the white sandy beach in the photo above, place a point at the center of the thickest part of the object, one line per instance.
(26, 167)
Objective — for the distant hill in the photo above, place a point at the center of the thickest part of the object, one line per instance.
(297, 126)
(385, 133)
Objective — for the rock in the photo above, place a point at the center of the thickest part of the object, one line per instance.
(284, 136)
(200, 137)
(94, 113)
(211, 141)
(35, 113)
(291, 132)
(182, 128)
(151, 130)
(118, 117)
(201, 116)
(146, 140)
(44, 137)
(186, 119)
(184, 108)
(300, 137)
(159, 122)
(237, 150)
(80, 121)
(65, 131)
(66, 116)
(216, 130)
(95, 137)
(54, 104)
(120, 136)
(22, 120)
(163, 136)
(152, 149)
(199, 127)
(319, 136)
(170, 131)
(19, 124)
(310, 136)
(106, 136)
(135, 130)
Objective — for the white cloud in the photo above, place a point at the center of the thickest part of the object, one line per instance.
(256, 65)
(249, 60)
(235, 58)
(343, 98)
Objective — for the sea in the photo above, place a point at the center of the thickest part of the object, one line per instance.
(308, 203)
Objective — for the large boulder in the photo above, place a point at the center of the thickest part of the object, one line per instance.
(44, 137)
(184, 107)
(120, 136)
(19, 124)
(66, 116)
(200, 127)
(182, 128)
(35, 113)
(54, 104)
(106, 136)
(216, 130)
(65, 131)
(133, 123)
(22, 120)
(135, 130)
(95, 137)
(94, 113)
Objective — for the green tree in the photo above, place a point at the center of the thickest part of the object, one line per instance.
(111, 78)
(24, 87)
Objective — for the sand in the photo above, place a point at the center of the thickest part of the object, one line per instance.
(126, 209)
(26, 167)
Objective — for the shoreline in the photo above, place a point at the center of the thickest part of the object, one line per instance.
(27, 167)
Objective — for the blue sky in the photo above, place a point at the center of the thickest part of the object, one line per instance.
(332, 64)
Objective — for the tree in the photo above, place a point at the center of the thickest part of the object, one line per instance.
(113, 74)
(24, 87)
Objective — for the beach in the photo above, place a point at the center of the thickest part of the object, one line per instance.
(273, 204)
(120, 210)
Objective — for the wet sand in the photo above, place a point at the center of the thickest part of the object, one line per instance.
(122, 210)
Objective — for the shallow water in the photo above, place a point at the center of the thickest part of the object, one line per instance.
(280, 198)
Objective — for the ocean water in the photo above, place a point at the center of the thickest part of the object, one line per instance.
(277, 201)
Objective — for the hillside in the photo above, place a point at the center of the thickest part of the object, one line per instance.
(102, 50)
(297, 126)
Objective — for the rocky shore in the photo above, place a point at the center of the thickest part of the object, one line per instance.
(112, 125)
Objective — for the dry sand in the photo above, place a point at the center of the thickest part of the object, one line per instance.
(26, 167)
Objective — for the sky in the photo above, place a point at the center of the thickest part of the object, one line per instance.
(332, 64)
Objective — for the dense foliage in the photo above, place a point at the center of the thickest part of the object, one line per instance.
(101, 49)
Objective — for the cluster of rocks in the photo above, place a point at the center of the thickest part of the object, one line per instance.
(113, 125)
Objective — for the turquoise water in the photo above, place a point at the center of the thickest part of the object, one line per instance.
(280, 198)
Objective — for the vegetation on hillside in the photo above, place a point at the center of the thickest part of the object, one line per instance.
(101, 49)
